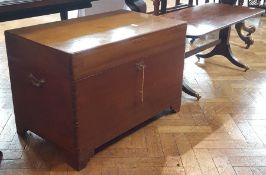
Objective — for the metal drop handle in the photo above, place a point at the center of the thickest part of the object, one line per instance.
(35, 81)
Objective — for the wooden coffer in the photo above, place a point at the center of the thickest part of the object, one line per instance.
(82, 82)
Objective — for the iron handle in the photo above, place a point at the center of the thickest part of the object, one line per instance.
(35, 81)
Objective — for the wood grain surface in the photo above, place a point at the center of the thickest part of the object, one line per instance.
(223, 133)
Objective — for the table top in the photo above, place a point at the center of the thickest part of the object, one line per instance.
(208, 18)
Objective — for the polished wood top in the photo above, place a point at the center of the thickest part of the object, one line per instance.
(88, 32)
(211, 17)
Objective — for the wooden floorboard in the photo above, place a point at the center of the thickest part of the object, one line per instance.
(222, 134)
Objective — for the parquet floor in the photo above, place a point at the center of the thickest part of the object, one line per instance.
(222, 134)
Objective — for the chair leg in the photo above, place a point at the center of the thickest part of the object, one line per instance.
(64, 15)
(163, 6)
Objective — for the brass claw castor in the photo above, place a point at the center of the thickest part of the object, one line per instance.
(198, 96)
(246, 69)
(249, 41)
(188, 90)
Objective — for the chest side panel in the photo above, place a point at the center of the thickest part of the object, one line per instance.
(41, 90)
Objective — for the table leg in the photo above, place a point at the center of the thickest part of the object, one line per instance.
(1, 155)
(188, 90)
(246, 38)
(224, 49)
(156, 5)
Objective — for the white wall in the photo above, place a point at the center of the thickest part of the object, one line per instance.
(102, 6)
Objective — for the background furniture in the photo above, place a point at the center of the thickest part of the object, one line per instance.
(160, 6)
(257, 4)
(17, 9)
(208, 18)
(101, 7)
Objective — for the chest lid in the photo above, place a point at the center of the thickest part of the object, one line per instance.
(82, 37)
(76, 35)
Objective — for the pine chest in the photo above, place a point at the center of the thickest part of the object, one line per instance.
(82, 82)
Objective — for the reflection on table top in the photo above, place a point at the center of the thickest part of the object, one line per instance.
(210, 17)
